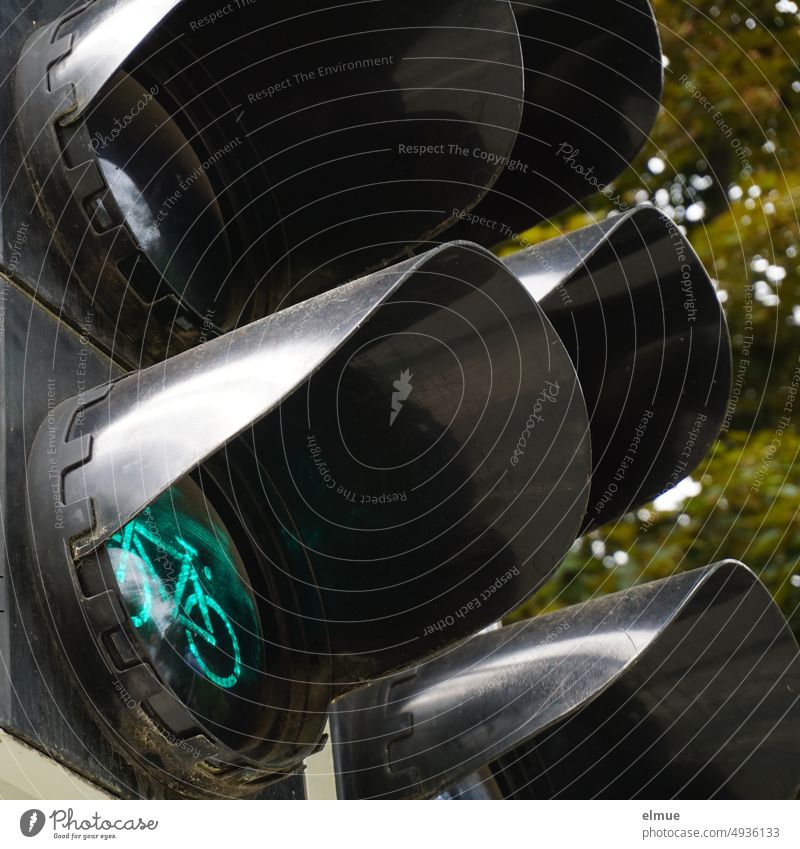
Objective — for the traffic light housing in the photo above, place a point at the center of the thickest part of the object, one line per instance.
(593, 81)
(336, 485)
(196, 173)
(680, 688)
(268, 439)
(646, 332)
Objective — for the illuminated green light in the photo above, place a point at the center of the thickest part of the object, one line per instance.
(184, 586)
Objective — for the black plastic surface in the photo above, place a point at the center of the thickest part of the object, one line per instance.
(432, 504)
(42, 361)
(593, 78)
(647, 334)
(311, 125)
(686, 687)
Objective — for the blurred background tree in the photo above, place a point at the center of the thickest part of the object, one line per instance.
(730, 177)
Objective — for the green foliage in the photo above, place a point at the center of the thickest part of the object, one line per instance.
(747, 508)
(728, 170)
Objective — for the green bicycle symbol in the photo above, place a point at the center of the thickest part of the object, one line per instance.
(189, 605)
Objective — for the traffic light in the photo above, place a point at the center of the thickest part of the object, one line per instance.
(232, 589)
(680, 688)
(593, 79)
(198, 169)
(646, 332)
(179, 611)
(269, 440)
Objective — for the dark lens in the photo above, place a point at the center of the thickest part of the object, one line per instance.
(164, 188)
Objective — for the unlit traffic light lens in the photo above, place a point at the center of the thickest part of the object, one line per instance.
(163, 182)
